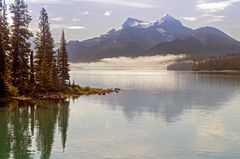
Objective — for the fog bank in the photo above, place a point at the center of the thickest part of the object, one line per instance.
(154, 62)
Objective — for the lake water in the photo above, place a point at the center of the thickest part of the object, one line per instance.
(159, 115)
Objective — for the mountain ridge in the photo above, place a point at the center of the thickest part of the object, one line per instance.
(164, 36)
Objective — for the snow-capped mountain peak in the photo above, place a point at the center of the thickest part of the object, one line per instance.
(167, 19)
(132, 22)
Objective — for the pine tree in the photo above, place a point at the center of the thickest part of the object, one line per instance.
(20, 45)
(55, 81)
(5, 37)
(4, 26)
(63, 65)
(32, 81)
(3, 87)
(45, 56)
(2, 53)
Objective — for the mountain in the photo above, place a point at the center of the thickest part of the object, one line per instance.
(205, 42)
(164, 36)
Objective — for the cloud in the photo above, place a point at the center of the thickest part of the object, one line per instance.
(83, 12)
(137, 4)
(108, 13)
(76, 20)
(128, 3)
(57, 19)
(57, 26)
(211, 7)
(190, 19)
(209, 18)
(38, 1)
(76, 27)
(214, 18)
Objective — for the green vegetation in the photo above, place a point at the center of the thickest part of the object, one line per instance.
(229, 62)
(25, 75)
(69, 91)
(62, 61)
(185, 65)
(20, 46)
(45, 61)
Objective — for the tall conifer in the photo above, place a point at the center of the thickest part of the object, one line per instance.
(63, 65)
(32, 80)
(3, 88)
(45, 55)
(3, 49)
(5, 37)
(5, 31)
(20, 45)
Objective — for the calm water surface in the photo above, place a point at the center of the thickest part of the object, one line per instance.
(160, 115)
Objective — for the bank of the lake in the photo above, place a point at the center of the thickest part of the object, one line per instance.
(213, 72)
(61, 94)
(223, 72)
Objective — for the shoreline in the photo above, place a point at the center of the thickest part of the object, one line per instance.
(236, 72)
(73, 91)
(223, 72)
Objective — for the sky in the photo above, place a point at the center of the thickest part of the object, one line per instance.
(84, 19)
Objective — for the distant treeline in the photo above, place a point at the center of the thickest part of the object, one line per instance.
(180, 66)
(228, 62)
(21, 70)
(221, 63)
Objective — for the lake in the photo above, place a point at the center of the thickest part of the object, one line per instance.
(158, 115)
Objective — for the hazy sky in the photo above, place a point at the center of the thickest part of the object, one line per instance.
(83, 19)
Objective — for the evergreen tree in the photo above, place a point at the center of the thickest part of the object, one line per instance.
(63, 65)
(20, 45)
(58, 63)
(45, 55)
(31, 68)
(3, 87)
(4, 36)
(54, 72)
(4, 26)
(2, 60)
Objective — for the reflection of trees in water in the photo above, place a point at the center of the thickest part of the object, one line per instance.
(206, 92)
(20, 126)
(20, 135)
(46, 118)
(4, 134)
(63, 121)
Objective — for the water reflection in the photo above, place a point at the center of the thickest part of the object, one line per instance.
(166, 95)
(26, 128)
(5, 142)
(41, 130)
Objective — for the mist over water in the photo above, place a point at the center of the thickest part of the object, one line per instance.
(147, 62)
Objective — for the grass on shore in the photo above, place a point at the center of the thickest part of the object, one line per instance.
(63, 93)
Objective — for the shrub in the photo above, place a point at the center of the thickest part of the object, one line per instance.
(12, 91)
